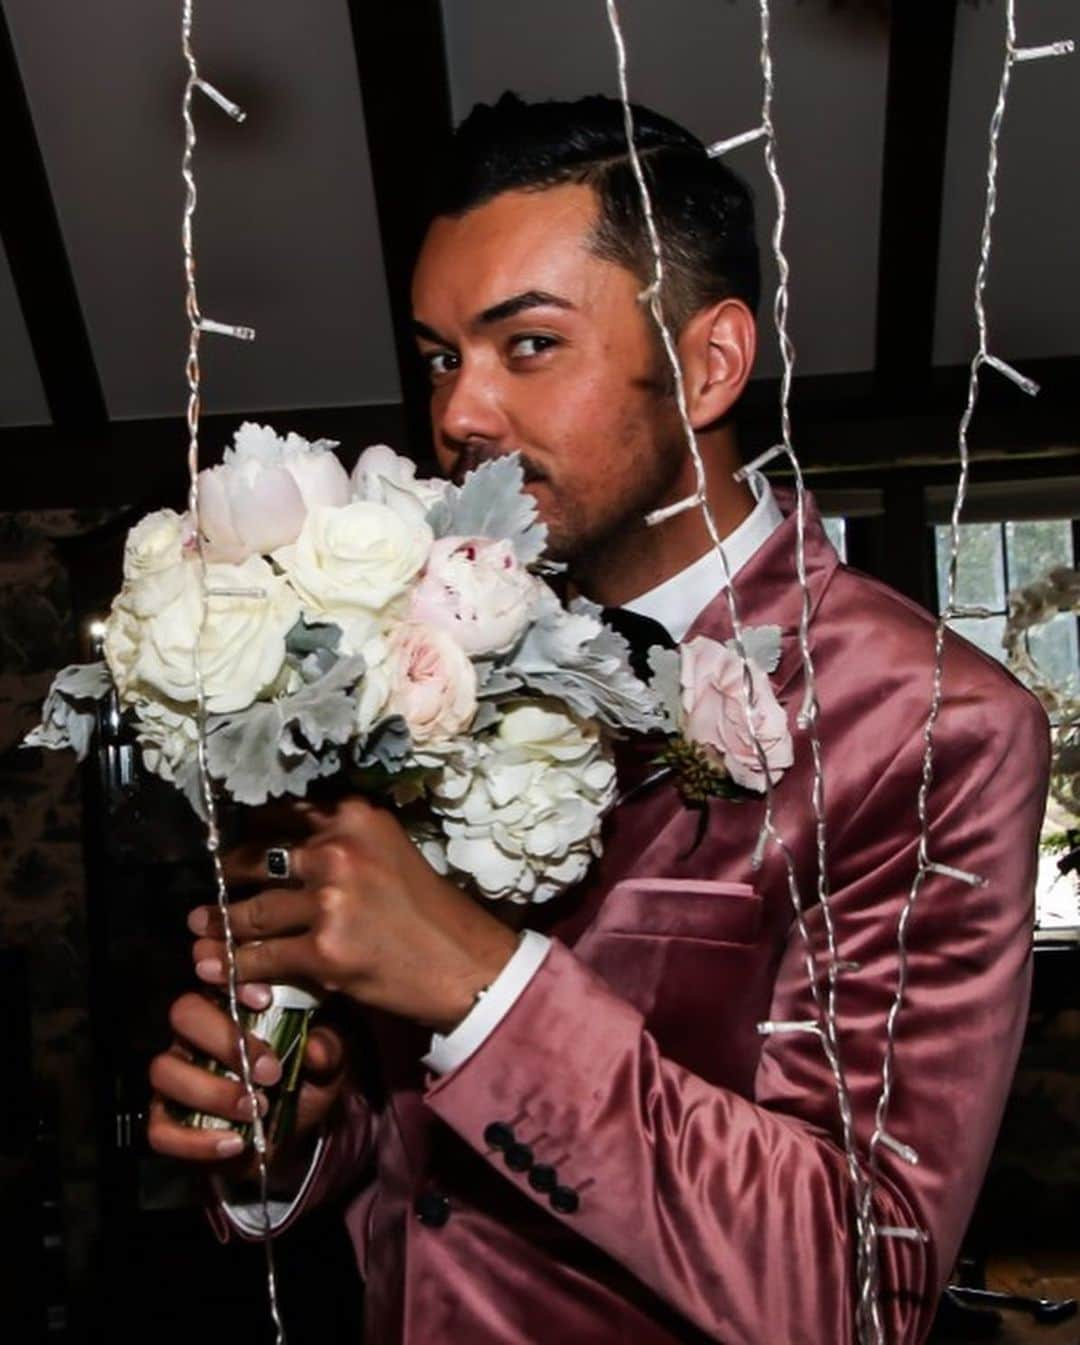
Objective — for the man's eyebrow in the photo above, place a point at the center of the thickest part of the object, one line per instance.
(519, 303)
(428, 333)
(506, 308)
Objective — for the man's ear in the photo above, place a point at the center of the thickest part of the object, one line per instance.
(716, 348)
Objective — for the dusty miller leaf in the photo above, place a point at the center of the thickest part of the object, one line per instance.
(762, 645)
(492, 503)
(306, 638)
(387, 745)
(280, 747)
(325, 711)
(666, 684)
(69, 715)
(571, 655)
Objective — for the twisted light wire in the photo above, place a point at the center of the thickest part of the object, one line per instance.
(925, 864)
(209, 801)
(825, 1004)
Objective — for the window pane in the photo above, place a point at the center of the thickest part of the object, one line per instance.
(986, 632)
(1053, 646)
(837, 534)
(1033, 548)
(980, 574)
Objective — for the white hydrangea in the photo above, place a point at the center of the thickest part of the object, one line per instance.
(522, 811)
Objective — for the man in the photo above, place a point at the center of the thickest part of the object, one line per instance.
(603, 1142)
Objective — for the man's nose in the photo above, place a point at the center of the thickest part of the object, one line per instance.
(472, 410)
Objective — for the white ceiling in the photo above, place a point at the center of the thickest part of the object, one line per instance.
(286, 230)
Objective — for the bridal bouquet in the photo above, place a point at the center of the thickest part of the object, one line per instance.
(391, 630)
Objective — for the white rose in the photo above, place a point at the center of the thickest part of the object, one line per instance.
(522, 819)
(242, 648)
(478, 591)
(385, 477)
(153, 552)
(350, 564)
(258, 498)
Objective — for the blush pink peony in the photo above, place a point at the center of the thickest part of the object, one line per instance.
(476, 590)
(432, 683)
(715, 713)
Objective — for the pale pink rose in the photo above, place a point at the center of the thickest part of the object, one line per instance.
(476, 590)
(248, 512)
(257, 500)
(433, 683)
(712, 700)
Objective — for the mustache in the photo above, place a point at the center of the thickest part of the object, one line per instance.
(470, 458)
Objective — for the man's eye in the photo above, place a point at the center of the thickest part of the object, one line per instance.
(527, 346)
(440, 362)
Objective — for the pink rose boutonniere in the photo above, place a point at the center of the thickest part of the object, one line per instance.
(711, 749)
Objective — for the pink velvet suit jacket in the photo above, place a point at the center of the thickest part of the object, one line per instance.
(713, 1200)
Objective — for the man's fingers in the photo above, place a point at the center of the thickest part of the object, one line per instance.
(324, 1055)
(245, 865)
(278, 910)
(289, 960)
(209, 1029)
(167, 1136)
(189, 1085)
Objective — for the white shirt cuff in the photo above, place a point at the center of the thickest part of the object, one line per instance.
(484, 1017)
(248, 1217)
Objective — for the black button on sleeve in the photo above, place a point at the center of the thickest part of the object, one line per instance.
(498, 1135)
(564, 1199)
(432, 1208)
(543, 1178)
(518, 1157)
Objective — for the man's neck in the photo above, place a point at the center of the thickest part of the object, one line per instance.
(638, 558)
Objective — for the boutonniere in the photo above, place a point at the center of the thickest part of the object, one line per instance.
(710, 750)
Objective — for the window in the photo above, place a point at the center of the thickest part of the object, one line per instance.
(836, 531)
(995, 558)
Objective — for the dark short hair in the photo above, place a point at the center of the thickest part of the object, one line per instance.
(704, 213)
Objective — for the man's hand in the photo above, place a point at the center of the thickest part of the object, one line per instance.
(370, 918)
(204, 1027)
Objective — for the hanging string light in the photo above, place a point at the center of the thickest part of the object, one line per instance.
(927, 866)
(197, 324)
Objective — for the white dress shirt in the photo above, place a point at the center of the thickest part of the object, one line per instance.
(675, 603)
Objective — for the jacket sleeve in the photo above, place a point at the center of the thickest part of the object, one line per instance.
(738, 1211)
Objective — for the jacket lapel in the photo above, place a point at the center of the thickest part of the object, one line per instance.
(767, 593)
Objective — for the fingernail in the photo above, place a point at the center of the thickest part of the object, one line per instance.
(266, 1070)
(230, 1147)
(209, 969)
(244, 1107)
(257, 996)
(198, 920)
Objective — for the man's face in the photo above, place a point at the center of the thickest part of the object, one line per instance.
(535, 345)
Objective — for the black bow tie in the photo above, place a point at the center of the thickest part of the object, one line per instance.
(640, 633)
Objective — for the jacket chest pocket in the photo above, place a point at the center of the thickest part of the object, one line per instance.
(690, 955)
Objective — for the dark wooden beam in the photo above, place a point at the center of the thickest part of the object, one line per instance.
(840, 422)
(401, 63)
(141, 464)
(913, 179)
(39, 264)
